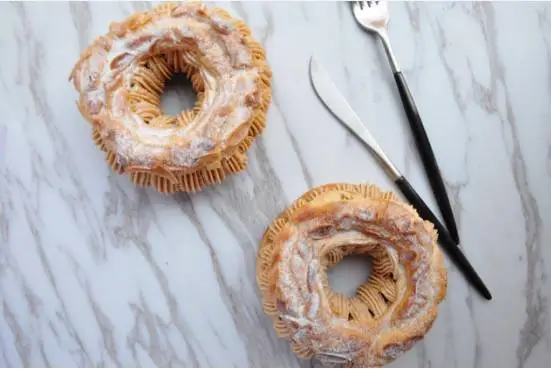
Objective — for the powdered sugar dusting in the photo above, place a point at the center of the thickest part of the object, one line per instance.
(104, 79)
(199, 147)
(301, 296)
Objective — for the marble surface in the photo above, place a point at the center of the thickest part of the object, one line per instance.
(95, 272)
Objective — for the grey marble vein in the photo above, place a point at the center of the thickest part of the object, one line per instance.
(544, 20)
(268, 27)
(97, 272)
(477, 361)
(294, 143)
(536, 303)
(228, 294)
(80, 12)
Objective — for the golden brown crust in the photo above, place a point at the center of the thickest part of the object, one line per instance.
(390, 312)
(207, 154)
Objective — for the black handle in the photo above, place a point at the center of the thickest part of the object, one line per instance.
(427, 155)
(443, 237)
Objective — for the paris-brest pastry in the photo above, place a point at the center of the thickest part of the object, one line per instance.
(120, 78)
(389, 313)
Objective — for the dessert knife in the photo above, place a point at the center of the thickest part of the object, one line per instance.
(337, 104)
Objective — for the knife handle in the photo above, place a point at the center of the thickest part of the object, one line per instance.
(444, 237)
(426, 154)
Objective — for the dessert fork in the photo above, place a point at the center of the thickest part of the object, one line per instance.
(373, 17)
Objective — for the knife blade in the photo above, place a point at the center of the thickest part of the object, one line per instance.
(339, 107)
(336, 103)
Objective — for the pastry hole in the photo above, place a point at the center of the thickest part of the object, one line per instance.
(178, 95)
(350, 273)
(357, 281)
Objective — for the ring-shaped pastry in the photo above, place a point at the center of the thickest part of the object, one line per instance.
(120, 78)
(389, 313)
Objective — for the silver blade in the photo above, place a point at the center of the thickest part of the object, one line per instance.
(337, 104)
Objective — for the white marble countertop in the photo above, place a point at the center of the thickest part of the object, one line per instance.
(95, 272)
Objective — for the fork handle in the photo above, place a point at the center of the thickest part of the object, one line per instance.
(427, 155)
